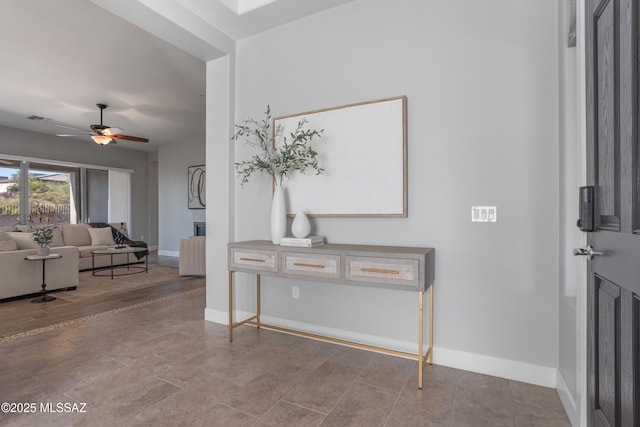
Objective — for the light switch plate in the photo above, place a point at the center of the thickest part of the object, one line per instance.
(484, 214)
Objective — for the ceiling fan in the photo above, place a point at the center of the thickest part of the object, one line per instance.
(103, 134)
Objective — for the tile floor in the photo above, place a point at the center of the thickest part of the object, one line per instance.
(160, 364)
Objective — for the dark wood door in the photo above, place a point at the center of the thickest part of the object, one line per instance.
(612, 168)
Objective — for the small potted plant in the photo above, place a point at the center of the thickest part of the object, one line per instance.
(43, 237)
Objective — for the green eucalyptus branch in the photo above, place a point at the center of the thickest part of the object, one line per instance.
(294, 155)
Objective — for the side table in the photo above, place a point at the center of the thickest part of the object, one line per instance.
(44, 259)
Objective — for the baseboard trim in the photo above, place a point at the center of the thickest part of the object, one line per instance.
(174, 254)
(496, 366)
(568, 401)
(217, 316)
(504, 368)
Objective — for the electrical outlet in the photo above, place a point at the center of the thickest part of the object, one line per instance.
(295, 292)
(142, 237)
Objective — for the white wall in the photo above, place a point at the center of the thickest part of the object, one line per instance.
(175, 219)
(220, 213)
(570, 236)
(37, 145)
(152, 198)
(482, 85)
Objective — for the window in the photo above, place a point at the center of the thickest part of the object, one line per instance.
(52, 194)
(9, 192)
(61, 194)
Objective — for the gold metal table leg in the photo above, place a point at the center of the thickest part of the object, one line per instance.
(253, 320)
(431, 324)
(421, 356)
(258, 300)
(420, 338)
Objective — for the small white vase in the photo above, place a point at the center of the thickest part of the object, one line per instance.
(278, 215)
(301, 227)
(43, 251)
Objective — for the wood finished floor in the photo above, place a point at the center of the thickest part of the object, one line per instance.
(158, 363)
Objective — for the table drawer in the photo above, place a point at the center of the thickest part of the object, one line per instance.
(316, 265)
(403, 272)
(252, 259)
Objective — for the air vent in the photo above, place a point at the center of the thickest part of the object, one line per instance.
(37, 118)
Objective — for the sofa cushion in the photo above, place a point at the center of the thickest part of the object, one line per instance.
(76, 235)
(101, 236)
(7, 243)
(57, 238)
(24, 240)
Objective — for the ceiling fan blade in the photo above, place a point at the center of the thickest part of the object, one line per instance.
(130, 138)
(70, 127)
(102, 134)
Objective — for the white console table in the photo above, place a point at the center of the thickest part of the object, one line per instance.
(391, 267)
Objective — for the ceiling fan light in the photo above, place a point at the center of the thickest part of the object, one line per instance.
(102, 140)
(112, 131)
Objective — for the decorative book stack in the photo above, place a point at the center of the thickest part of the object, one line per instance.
(302, 242)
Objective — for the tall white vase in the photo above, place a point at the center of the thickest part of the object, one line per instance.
(278, 215)
(301, 227)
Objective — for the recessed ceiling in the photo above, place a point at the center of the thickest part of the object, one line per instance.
(243, 6)
(252, 16)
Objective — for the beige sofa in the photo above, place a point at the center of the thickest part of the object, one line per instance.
(22, 277)
(75, 242)
(88, 239)
(82, 236)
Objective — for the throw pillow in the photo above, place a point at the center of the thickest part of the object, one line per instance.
(7, 243)
(101, 236)
(76, 235)
(57, 238)
(24, 240)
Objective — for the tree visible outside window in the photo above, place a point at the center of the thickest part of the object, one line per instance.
(49, 199)
(9, 193)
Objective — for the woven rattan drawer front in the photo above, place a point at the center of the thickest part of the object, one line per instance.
(403, 272)
(251, 259)
(316, 265)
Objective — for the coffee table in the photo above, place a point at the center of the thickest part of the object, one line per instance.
(44, 259)
(116, 270)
